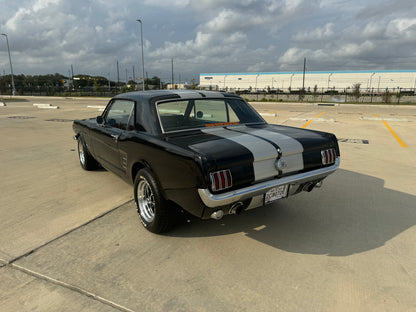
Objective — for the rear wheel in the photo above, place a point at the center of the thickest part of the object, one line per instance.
(85, 159)
(154, 211)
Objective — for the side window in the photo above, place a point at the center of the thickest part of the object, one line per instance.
(121, 115)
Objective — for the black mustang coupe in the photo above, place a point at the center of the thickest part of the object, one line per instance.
(209, 153)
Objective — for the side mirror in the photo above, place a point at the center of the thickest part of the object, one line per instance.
(100, 120)
(112, 122)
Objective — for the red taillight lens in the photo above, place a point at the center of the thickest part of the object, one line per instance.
(328, 156)
(221, 180)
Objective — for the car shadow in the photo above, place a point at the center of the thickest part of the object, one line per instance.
(351, 213)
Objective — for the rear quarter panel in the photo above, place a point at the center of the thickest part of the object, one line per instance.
(178, 171)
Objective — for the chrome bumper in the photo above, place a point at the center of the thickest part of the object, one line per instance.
(216, 200)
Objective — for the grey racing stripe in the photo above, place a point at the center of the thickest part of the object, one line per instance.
(291, 148)
(264, 153)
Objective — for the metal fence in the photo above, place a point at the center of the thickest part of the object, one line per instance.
(393, 96)
(373, 95)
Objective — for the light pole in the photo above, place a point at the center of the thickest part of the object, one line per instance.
(257, 91)
(329, 79)
(371, 78)
(11, 67)
(273, 80)
(290, 84)
(225, 76)
(141, 33)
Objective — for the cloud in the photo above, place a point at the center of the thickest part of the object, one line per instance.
(230, 32)
(57, 33)
(404, 28)
(204, 49)
(351, 50)
(226, 21)
(208, 35)
(162, 3)
(386, 9)
(366, 39)
(321, 33)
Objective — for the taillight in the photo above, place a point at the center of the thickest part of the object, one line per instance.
(328, 156)
(221, 180)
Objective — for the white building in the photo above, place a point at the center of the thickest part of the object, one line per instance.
(339, 80)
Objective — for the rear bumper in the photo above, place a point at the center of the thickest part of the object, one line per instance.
(216, 200)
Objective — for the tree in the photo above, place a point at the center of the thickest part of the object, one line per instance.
(154, 81)
(302, 93)
(356, 91)
(387, 96)
(399, 95)
(315, 91)
(194, 84)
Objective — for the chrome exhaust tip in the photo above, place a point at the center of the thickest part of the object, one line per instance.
(236, 208)
(217, 215)
(308, 187)
(318, 184)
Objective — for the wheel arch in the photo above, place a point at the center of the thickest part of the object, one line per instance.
(137, 166)
(142, 164)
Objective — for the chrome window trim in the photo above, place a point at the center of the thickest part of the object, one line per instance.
(191, 129)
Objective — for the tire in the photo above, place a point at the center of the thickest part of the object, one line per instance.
(155, 213)
(85, 159)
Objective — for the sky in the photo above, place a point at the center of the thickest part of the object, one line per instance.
(205, 36)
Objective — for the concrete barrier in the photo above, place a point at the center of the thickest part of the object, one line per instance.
(42, 105)
(100, 107)
(96, 106)
(269, 114)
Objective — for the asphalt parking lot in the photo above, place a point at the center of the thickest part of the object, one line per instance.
(70, 240)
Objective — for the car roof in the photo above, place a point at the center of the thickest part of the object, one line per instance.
(174, 94)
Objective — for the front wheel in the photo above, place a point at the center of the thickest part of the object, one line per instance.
(154, 211)
(85, 159)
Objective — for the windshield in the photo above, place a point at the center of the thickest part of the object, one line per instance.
(201, 113)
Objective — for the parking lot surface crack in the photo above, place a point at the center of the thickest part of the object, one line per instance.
(70, 287)
(68, 232)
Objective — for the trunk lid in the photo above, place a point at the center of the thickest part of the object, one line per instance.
(251, 152)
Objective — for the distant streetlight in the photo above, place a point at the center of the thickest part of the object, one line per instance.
(225, 76)
(273, 80)
(256, 81)
(11, 67)
(290, 85)
(371, 78)
(141, 33)
(329, 79)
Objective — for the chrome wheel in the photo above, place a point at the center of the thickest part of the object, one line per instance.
(86, 160)
(81, 152)
(145, 200)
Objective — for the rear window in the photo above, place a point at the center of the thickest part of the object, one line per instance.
(202, 113)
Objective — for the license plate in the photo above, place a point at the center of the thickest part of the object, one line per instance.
(276, 193)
